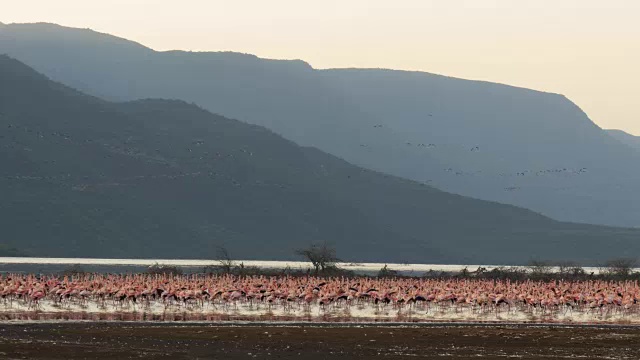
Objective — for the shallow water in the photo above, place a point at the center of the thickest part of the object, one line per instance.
(248, 311)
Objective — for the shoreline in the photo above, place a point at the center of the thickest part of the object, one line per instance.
(357, 267)
(315, 318)
(328, 324)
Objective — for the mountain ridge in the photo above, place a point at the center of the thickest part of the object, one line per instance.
(625, 137)
(490, 141)
(54, 29)
(87, 177)
(438, 75)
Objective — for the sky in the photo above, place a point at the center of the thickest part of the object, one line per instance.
(587, 50)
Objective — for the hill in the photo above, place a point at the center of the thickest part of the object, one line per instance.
(626, 138)
(489, 141)
(162, 178)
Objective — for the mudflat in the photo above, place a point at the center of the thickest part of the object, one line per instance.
(122, 340)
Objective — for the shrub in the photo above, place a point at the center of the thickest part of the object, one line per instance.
(386, 272)
(161, 269)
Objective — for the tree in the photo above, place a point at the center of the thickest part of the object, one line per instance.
(321, 256)
(570, 268)
(464, 273)
(621, 266)
(224, 259)
(540, 268)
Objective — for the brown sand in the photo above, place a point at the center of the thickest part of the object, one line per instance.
(70, 340)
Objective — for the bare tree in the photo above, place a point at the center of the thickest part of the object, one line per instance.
(620, 266)
(224, 259)
(321, 256)
(570, 268)
(565, 267)
(540, 268)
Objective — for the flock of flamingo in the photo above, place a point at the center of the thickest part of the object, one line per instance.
(305, 295)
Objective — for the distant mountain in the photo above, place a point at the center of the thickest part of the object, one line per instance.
(626, 138)
(160, 178)
(489, 141)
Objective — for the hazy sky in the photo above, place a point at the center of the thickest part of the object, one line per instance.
(588, 50)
